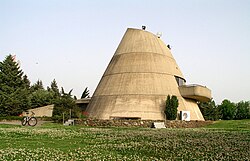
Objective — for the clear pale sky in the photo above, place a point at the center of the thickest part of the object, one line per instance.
(73, 41)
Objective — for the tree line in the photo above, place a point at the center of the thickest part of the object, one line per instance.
(227, 110)
(18, 95)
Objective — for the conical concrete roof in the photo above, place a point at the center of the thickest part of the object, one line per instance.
(138, 79)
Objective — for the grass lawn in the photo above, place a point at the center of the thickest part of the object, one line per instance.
(231, 125)
(223, 140)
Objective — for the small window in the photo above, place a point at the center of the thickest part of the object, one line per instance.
(180, 81)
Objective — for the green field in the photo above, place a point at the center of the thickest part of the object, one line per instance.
(223, 140)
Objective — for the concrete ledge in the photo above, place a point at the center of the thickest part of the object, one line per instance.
(196, 92)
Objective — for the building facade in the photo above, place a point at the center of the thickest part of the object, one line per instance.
(138, 79)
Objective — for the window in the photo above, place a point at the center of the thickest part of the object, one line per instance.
(180, 81)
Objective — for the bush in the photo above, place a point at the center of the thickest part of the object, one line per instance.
(209, 110)
(242, 110)
(64, 105)
(11, 118)
(58, 119)
(227, 109)
(171, 107)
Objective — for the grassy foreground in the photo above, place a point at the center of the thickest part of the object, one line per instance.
(224, 140)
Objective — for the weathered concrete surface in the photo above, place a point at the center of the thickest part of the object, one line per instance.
(197, 92)
(45, 111)
(137, 81)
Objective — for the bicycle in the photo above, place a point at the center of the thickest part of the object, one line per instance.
(31, 120)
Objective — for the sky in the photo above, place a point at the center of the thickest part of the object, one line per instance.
(73, 41)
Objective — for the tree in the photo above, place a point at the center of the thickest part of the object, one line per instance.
(37, 86)
(54, 88)
(227, 109)
(209, 110)
(64, 104)
(26, 81)
(13, 88)
(85, 93)
(171, 107)
(242, 110)
(40, 98)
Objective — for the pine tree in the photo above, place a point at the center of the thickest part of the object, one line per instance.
(41, 97)
(37, 86)
(26, 81)
(13, 88)
(54, 87)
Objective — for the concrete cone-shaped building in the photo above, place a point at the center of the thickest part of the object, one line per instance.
(138, 79)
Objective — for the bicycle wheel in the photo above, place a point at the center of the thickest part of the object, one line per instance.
(24, 121)
(32, 121)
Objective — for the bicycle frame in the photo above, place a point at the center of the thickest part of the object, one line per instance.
(31, 120)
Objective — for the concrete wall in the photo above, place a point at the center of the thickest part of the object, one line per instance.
(137, 81)
(41, 111)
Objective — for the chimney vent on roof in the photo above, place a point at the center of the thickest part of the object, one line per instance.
(158, 34)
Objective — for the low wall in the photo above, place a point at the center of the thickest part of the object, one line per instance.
(141, 123)
(45, 111)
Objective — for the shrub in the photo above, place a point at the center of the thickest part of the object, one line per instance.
(63, 105)
(171, 107)
(209, 110)
(11, 118)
